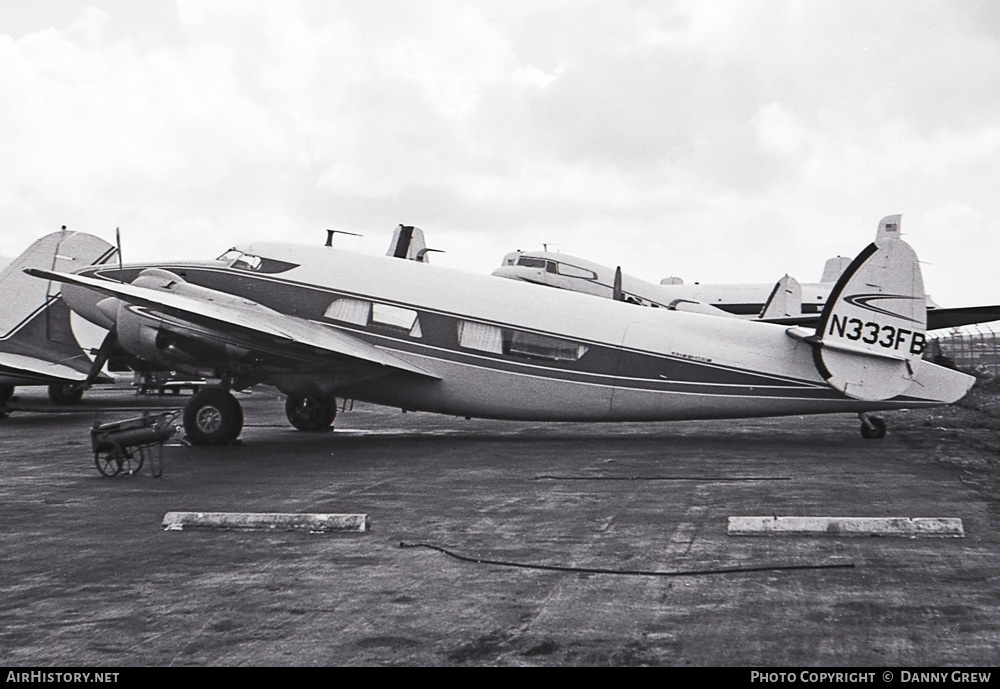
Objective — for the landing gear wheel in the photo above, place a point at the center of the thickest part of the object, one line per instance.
(213, 417)
(6, 392)
(310, 413)
(877, 429)
(108, 457)
(65, 393)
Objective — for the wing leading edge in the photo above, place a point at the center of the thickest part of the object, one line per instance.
(209, 314)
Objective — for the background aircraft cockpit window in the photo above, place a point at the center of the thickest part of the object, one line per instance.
(532, 262)
(574, 272)
(257, 264)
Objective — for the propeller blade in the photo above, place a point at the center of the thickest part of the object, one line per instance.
(118, 245)
(101, 358)
(616, 292)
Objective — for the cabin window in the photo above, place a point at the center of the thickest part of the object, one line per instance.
(574, 272)
(544, 347)
(353, 311)
(481, 336)
(490, 338)
(396, 317)
(366, 313)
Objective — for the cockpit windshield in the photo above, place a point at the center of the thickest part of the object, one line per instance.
(241, 260)
(237, 259)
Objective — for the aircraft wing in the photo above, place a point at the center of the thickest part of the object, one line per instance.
(937, 319)
(961, 315)
(33, 366)
(224, 318)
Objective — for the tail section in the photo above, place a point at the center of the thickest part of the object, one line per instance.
(873, 330)
(36, 339)
(834, 268)
(785, 301)
(408, 242)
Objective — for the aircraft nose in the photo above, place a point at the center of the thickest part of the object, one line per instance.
(91, 305)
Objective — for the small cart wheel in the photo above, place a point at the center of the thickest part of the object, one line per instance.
(132, 461)
(108, 457)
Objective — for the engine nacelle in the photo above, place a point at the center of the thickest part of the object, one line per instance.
(146, 337)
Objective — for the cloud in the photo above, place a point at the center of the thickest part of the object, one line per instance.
(720, 142)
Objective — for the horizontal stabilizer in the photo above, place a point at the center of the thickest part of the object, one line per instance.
(940, 318)
(691, 306)
(44, 371)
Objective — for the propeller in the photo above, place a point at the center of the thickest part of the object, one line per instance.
(118, 245)
(100, 358)
(616, 292)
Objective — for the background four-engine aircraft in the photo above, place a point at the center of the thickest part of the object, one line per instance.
(37, 345)
(787, 302)
(320, 323)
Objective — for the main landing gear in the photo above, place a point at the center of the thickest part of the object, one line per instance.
(65, 393)
(213, 417)
(59, 393)
(872, 427)
(311, 413)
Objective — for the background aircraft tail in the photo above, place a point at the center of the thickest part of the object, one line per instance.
(36, 337)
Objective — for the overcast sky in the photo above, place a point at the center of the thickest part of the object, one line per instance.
(717, 141)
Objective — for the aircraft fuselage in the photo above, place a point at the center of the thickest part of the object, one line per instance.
(512, 350)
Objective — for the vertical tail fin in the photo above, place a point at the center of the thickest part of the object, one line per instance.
(872, 332)
(408, 242)
(34, 321)
(785, 300)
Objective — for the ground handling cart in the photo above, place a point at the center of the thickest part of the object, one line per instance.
(122, 445)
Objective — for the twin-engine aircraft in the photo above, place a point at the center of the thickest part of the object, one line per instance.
(320, 323)
(37, 345)
(787, 302)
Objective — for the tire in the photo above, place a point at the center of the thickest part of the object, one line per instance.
(108, 458)
(310, 413)
(213, 417)
(132, 461)
(65, 393)
(877, 431)
(6, 392)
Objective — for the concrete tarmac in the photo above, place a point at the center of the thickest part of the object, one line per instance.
(597, 544)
